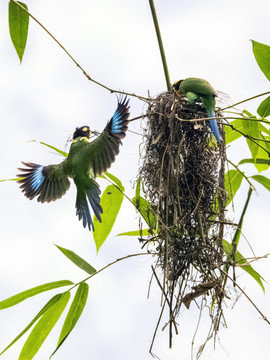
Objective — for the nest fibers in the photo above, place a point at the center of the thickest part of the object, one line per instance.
(183, 176)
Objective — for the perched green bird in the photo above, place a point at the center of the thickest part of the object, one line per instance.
(85, 161)
(195, 88)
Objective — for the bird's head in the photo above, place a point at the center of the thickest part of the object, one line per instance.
(82, 132)
(176, 85)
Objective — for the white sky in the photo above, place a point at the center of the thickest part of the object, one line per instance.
(47, 97)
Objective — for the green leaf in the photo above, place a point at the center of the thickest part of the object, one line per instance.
(262, 56)
(261, 154)
(16, 179)
(110, 202)
(77, 260)
(16, 299)
(144, 232)
(138, 192)
(44, 326)
(264, 129)
(262, 180)
(145, 210)
(233, 180)
(261, 164)
(18, 26)
(258, 161)
(114, 180)
(251, 129)
(240, 260)
(264, 108)
(74, 313)
(51, 302)
(230, 133)
(51, 147)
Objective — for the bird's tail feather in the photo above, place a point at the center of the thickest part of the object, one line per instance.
(213, 125)
(82, 210)
(91, 193)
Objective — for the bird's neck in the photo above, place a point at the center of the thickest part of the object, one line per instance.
(80, 138)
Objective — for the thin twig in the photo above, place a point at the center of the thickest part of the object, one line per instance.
(75, 62)
(166, 298)
(244, 293)
(241, 102)
(242, 173)
(137, 118)
(134, 132)
(156, 328)
(196, 330)
(105, 267)
(224, 118)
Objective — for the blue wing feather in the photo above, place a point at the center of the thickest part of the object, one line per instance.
(48, 183)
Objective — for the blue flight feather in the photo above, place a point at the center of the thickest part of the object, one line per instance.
(37, 178)
(117, 122)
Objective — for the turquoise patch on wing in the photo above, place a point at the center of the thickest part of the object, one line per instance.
(117, 123)
(37, 178)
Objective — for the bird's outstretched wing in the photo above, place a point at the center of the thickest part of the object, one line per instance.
(102, 151)
(49, 183)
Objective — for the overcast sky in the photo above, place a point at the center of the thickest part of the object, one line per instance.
(47, 96)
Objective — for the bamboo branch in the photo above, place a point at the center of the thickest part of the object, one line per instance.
(160, 44)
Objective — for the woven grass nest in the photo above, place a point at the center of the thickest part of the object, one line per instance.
(183, 176)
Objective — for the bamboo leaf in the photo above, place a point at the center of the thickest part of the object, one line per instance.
(74, 313)
(252, 129)
(252, 161)
(230, 133)
(18, 27)
(77, 260)
(240, 260)
(261, 154)
(144, 232)
(111, 201)
(233, 180)
(44, 326)
(138, 192)
(263, 180)
(16, 179)
(16, 299)
(51, 302)
(264, 129)
(264, 108)
(114, 179)
(51, 147)
(145, 210)
(262, 56)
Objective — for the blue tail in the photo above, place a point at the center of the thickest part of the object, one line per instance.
(213, 125)
(90, 192)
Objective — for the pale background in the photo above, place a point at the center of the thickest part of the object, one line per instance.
(47, 97)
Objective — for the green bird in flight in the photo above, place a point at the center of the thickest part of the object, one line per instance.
(85, 161)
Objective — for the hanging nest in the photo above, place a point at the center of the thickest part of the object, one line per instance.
(183, 176)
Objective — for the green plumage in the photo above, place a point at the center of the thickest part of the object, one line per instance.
(200, 89)
(85, 161)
